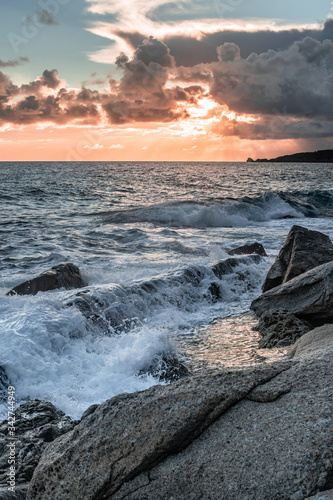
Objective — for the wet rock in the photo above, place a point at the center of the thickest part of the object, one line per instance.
(62, 276)
(279, 328)
(37, 423)
(215, 292)
(303, 250)
(166, 367)
(4, 383)
(252, 248)
(308, 296)
(20, 492)
(229, 265)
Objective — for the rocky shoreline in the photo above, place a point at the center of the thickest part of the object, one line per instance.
(262, 433)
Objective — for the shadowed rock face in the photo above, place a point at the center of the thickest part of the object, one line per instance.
(37, 423)
(303, 250)
(309, 296)
(259, 434)
(62, 276)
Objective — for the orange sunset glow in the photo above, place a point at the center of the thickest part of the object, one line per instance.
(219, 88)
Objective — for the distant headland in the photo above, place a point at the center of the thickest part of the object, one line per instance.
(323, 156)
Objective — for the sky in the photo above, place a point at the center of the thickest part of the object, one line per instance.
(157, 80)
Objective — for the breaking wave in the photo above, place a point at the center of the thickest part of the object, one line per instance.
(228, 212)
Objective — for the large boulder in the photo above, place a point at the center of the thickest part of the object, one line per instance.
(309, 296)
(303, 250)
(37, 423)
(129, 435)
(62, 276)
(263, 433)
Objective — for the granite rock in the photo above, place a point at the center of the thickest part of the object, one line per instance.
(303, 250)
(279, 328)
(130, 434)
(308, 296)
(37, 423)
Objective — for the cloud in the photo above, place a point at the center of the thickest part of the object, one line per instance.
(42, 17)
(285, 93)
(46, 17)
(192, 29)
(116, 146)
(152, 50)
(296, 80)
(13, 63)
(142, 94)
(193, 48)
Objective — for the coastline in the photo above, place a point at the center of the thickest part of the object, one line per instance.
(256, 432)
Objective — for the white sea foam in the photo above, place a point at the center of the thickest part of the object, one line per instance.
(51, 351)
(226, 213)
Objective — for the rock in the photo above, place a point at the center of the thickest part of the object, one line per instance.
(324, 495)
(19, 494)
(4, 383)
(214, 292)
(309, 296)
(62, 276)
(255, 434)
(166, 367)
(314, 343)
(37, 423)
(250, 160)
(253, 248)
(127, 436)
(303, 250)
(279, 328)
(275, 444)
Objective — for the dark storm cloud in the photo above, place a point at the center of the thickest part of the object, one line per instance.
(153, 50)
(13, 63)
(296, 80)
(275, 128)
(189, 51)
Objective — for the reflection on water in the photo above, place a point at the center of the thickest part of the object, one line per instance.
(227, 343)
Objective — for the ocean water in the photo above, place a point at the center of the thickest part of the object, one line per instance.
(145, 237)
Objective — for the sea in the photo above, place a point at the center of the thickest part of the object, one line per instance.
(145, 237)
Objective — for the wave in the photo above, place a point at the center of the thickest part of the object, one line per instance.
(228, 212)
(115, 309)
(105, 340)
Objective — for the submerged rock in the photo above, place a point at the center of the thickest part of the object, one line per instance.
(279, 328)
(308, 296)
(62, 276)
(303, 250)
(252, 248)
(37, 423)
